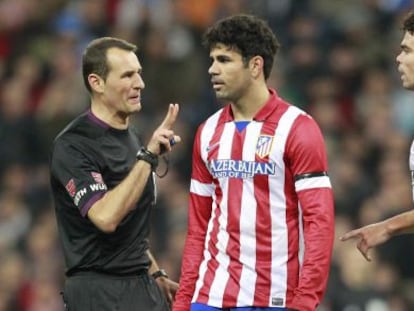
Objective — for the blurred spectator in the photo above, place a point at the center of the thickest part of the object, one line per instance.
(63, 95)
(338, 64)
(20, 136)
(15, 221)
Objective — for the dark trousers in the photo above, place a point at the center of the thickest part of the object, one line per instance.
(113, 293)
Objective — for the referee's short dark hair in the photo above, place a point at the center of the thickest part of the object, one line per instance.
(94, 58)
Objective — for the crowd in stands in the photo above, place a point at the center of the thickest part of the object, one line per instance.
(337, 62)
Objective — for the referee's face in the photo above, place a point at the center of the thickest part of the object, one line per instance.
(405, 61)
(123, 85)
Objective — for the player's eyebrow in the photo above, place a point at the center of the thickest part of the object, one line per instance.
(404, 47)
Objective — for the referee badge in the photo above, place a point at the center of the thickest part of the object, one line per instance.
(71, 187)
(97, 177)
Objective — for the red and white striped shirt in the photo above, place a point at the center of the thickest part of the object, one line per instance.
(261, 212)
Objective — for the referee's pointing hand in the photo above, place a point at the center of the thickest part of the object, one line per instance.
(164, 138)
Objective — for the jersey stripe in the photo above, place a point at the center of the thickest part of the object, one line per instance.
(207, 267)
(222, 260)
(235, 185)
(280, 231)
(314, 182)
(263, 227)
(247, 222)
(205, 190)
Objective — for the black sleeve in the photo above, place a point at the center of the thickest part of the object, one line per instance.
(73, 167)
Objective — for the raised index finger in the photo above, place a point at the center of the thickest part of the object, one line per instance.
(350, 235)
(171, 116)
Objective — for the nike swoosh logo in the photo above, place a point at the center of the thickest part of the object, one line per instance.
(213, 146)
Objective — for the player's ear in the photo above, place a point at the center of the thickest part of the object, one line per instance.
(96, 82)
(256, 66)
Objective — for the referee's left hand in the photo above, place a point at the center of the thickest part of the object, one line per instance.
(169, 288)
(164, 137)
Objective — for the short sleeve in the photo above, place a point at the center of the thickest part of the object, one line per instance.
(75, 170)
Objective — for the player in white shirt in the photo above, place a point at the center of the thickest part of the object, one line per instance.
(375, 234)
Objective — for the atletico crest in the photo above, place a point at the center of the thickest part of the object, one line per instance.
(264, 145)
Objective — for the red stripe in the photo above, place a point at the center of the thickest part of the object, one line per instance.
(234, 191)
(233, 248)
(263, 242)
(212, 263)
(292, 223)
(263, 231)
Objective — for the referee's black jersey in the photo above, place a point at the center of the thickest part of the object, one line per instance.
(87, 159)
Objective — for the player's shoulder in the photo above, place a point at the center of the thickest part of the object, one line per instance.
(77, 134)
(71, 128)
(285, 107)
(212, 121)
(297, 114)
(80, 129)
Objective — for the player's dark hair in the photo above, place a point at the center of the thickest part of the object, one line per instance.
(94, 58)
(247, 34)
(408, 23)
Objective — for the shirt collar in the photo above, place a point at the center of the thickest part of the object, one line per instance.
(262, 114)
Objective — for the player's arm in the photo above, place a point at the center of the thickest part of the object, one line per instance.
(107, 212)
(378, 233)
(400, 224)
(308, 162)
(199, 212)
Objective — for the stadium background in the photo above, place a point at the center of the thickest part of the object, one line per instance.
(337, 62)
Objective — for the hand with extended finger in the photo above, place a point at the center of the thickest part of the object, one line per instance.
(163, 137)
(368, 237)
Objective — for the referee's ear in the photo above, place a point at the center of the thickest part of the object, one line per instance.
(96, 82)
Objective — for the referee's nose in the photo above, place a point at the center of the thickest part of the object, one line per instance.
(139, 82)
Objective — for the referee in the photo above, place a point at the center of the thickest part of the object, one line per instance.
(103, 187)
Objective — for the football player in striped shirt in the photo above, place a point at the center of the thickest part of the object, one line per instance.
(261, 210)
(378, 233)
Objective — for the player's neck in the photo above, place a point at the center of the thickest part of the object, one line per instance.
(247, 106)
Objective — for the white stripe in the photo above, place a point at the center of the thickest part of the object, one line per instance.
(248, 223)
(313, 182)
(207, 256)
(207, 133)
(201, 272)
(301, 251)
(411, 165)
(221, 276)
(278, 207)
(205, 138)
(285, 124)
(205, 190)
